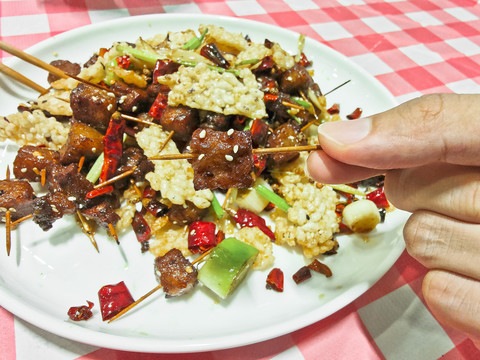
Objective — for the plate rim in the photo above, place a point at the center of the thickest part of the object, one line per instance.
(80, 334)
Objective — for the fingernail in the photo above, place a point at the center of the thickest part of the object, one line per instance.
(346, 132)
(307, 173)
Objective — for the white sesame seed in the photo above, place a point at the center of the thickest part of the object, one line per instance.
(202, 134)
(138, 206)
(229, 157)
(111, 94)
(200, 157)
(72, 198)
(235, 149)
(94, 149)
(134, 108)
(94, 98)
(193, 232)
(109, 107)
(230, 132)
(23, 170)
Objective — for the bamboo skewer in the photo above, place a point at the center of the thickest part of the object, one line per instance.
(115, 178)
(8, 229)
(158, 287)
(87, 230)
(261, 151)
(45, 66)
(22, 79)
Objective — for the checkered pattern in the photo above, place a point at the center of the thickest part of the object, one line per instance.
(413, 47)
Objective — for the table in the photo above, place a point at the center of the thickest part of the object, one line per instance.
(413, 47)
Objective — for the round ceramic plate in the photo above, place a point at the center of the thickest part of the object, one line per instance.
(47, 272)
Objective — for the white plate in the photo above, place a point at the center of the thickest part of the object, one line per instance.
(47, 272)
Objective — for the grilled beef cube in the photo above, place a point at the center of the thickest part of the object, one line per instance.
(225, 159)
(30, 160)
(66, 66)
(185, 214)
(102, 213)
(176, 274)
(182, 120)
(288, 134)
(294, 79)
(68, 180)
(132, 98)
(17, 196)
(83, 140)
(268, 84)
(92, 106)
(277, 111)
(134, 157)
(214, 121)
(51, 207)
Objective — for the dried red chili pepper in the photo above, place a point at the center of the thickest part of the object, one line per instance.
(275, 280)
(163, 67)
(355, 114)
(112, 147)
(102, 51)
(319, 267)
(302, 274)
(101, 191)
(211, 52)
(158, 107)
(141, 228)
(266, 64)
(220, 236)
(123, 61)
(270, 97)
(156, 208)
(249, 219)
(113, 299)
(259, 131)
(149, 193)
(378, 197)
(259, 163)
(201, 236)
(304, 60)
(77, 313)
(334, 109)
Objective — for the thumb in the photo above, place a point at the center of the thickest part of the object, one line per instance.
(432, 128)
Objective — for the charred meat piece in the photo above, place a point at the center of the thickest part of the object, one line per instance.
(214, 121)
(102, 213)
(294, 79)
(278, 112)
(225, 159)
(135, 157)
(132, 98)
(83, 140)
(30, 160)
(181, 119)
(268, 84)
(185, 214)
(66, 66)
(92, 106)
(176, 274)
(288, 134)
(17, 196)
(68, 180)
(51, 207)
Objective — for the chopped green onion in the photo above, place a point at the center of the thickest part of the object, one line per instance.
(301, 45)
(217, 208)
(348, 189)
(296, 118)
(194, 42)
(247, 62)
(139, 54)
(301, 102)
(96, 169)
(110, 76)
(249, 125)
(275, 199)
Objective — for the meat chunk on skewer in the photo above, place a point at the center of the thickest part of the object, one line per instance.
(51, 207)
(92, 106)
(83, 140)
(288, 134)
(66, 66)
(176, 274)
(132, 99)
(30, 160)
(17, 196)
(180, 119)
(225, 159)
(185, 214)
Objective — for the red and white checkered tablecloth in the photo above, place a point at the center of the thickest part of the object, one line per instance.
(413, 47)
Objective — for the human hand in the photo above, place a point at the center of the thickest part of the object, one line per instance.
(429, 151)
